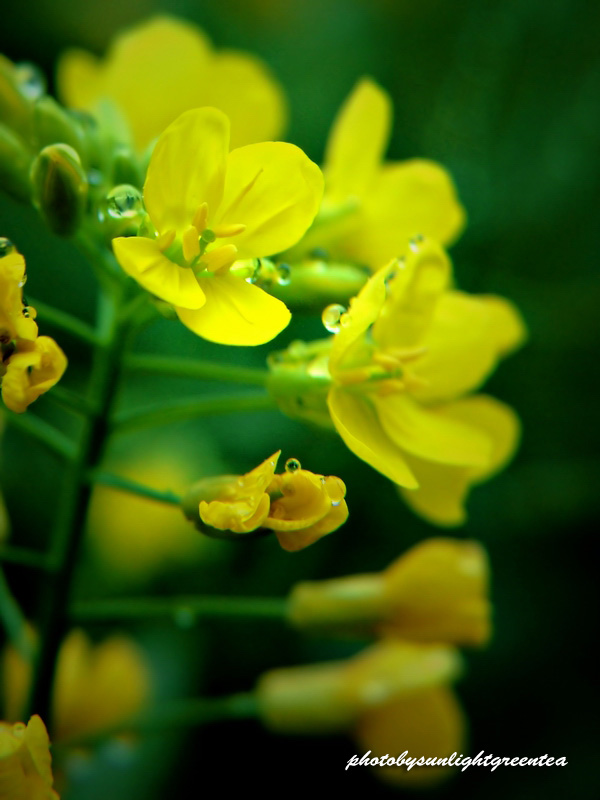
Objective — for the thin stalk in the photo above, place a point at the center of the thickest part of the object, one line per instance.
(70, 400)
(43, 432)
(190, 408)
(99, 478)
(13, 620)
(202, 370)
(65, 322)
(181, 610)
(24, 557)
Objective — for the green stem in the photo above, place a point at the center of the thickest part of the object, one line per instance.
(202, 370)
(70, 520)
(176, 714)
(44, 433)
(13, 620)
(63, 321)
(24, 556)
(71, 400)
(182, 610)
(190, 408)
(133, 487)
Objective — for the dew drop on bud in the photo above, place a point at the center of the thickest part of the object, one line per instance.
(124, 202)
(331, 317)
(6, 247)
(31, 80)
(284, 274)
(292, 465)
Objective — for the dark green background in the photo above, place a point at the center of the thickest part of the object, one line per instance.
(505, 94)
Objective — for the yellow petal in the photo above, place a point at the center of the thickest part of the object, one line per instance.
(78, 78)
(142, 259)
(432, 434)
(273, 189)
(358, 425)
(235, 313)
(429, 723)
(443, 489)
(241, 85)
(408, 198)
(32, 372)
(357, 141)
(466, 338)
(187, 168)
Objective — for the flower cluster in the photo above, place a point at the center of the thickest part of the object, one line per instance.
(299, 506)
(25, 762)
(31, 364)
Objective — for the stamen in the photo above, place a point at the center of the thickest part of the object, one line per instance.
(201, 218)
(191, 245)
(220, 257)
(226, 231)
(165, 240)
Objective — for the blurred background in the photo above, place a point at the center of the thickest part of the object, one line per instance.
(505, 95)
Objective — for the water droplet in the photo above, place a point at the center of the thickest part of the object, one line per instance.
(319, 253)
(31, 80)
(331, 317)
(6, 247)
(335, 503)
(124, 202)
(284, 274)
(322, 480)
(292, 465)
(414, 245)
(94, 177)
(23, 281)
(184, 617)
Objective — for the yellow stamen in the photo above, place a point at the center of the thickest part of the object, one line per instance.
(201, 218)
(165, 240)
(225, 231)
(191, 245)
(220, 257)
(392, 386)
(386, 361)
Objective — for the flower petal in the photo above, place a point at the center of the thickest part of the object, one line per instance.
(143, 260)
(273, 189)
(78, 77)
(432, 433)
(187, 168)
(357, 141)
(467, 337)
(357, 424)
(236, 313)
(443, 489)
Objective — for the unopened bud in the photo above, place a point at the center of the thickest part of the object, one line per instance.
(52, 124)
(15, 161)
(59, 188)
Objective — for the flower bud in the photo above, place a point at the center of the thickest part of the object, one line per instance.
(316, 283)
(437, 591)
(52, 124)
(60, 188)
(15, 106)
(15, 161)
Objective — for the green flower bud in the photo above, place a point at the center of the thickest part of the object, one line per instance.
(15, 106)
(126, 168)
(60, 188)
(52, 124)
(15, 160)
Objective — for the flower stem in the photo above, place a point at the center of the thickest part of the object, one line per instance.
(202, 370)
(44, 433)
(182, 610)
(63, 321)
(13, 619)
(190, 408)
(133, 487)
(24, 556)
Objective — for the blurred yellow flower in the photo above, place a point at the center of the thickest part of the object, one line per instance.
(397, 374)
(372, 208)
(30, 365)
(436, 592)
(392, 697)
(155, 71)
(298, 505)
(211, 208)
(25, 762)
(96, 686)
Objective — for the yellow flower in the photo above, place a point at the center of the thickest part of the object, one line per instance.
(25, 762)
(162, 67)
(436, 592)
(392, 697)
(96, 687)
(298, 505)
(211, 208)
(372, 208)
(406, 355)
(30, 365)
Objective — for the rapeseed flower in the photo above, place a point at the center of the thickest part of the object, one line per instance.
(211, 208)
(393, 696)
(298, 505)
(156, 70)
(25, 761)
(400, 373)
(435, 592)
(31, 364)
(371, 208)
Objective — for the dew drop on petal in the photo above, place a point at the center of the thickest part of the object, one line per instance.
(6, 247)
(292, 465)
(331, 317)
